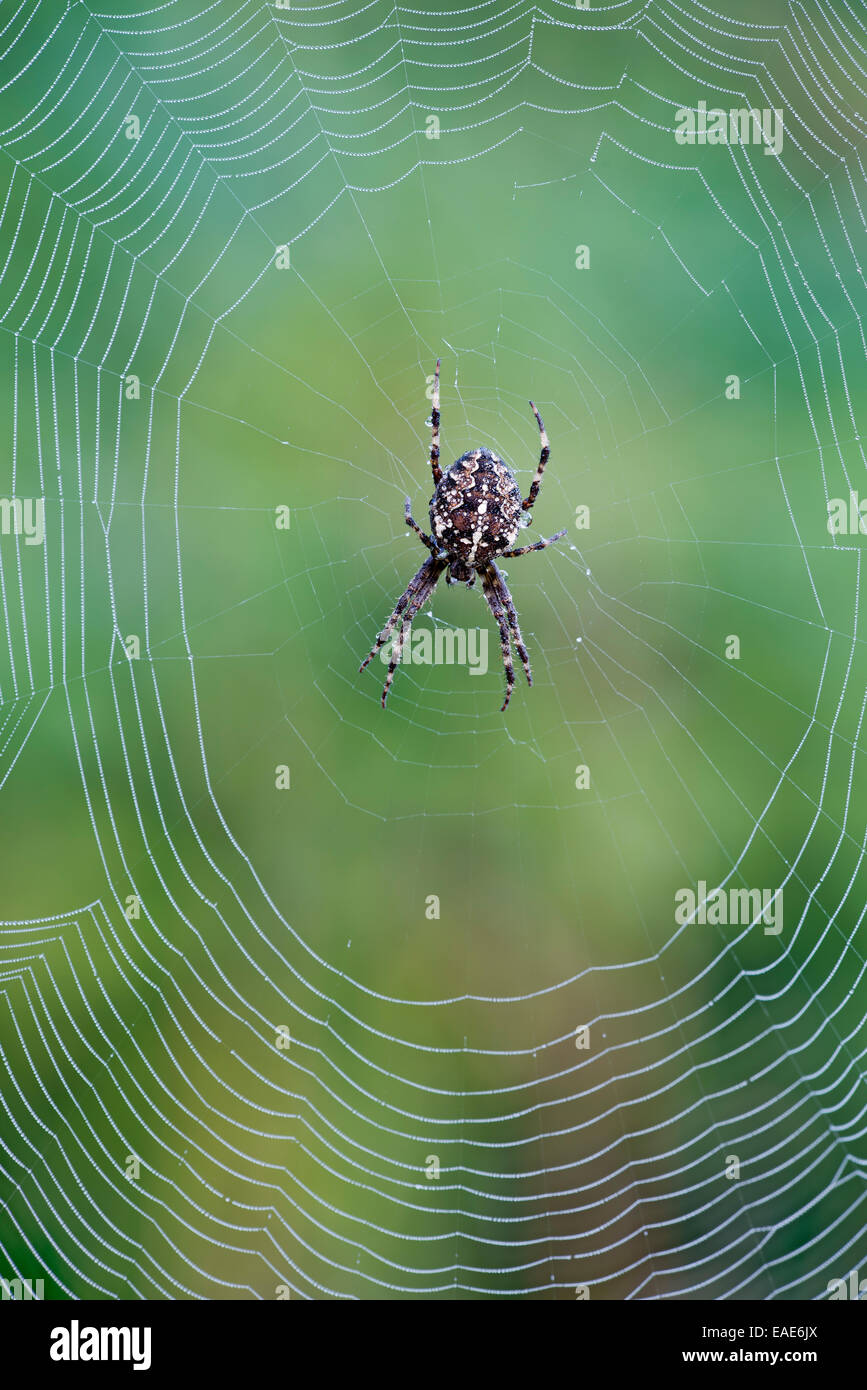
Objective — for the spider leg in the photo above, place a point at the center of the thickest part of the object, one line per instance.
(419, 580)
(424, 537)
(543, 459)
(394, 659)
(512, 616)
(435, 422)
(525, 549)
(490, 586)
(415, 603)
(420, 587)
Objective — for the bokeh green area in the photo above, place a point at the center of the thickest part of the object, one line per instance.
(167, 908)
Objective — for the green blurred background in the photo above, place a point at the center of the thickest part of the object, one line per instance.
(167, 909)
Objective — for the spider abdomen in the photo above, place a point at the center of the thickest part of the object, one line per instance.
(476, 510)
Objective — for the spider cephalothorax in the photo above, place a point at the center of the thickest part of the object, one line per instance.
(476, 513)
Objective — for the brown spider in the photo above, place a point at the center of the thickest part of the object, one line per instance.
(476, 512)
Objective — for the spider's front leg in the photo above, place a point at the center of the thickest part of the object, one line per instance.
(490, 587)
(502, 589)
(419, 589)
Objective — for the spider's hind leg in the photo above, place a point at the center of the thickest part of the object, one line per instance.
(543, 459)
(435, 428)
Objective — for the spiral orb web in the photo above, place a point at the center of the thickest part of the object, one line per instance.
(302, 997)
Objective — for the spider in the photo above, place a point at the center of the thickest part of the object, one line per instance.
(476, 513)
